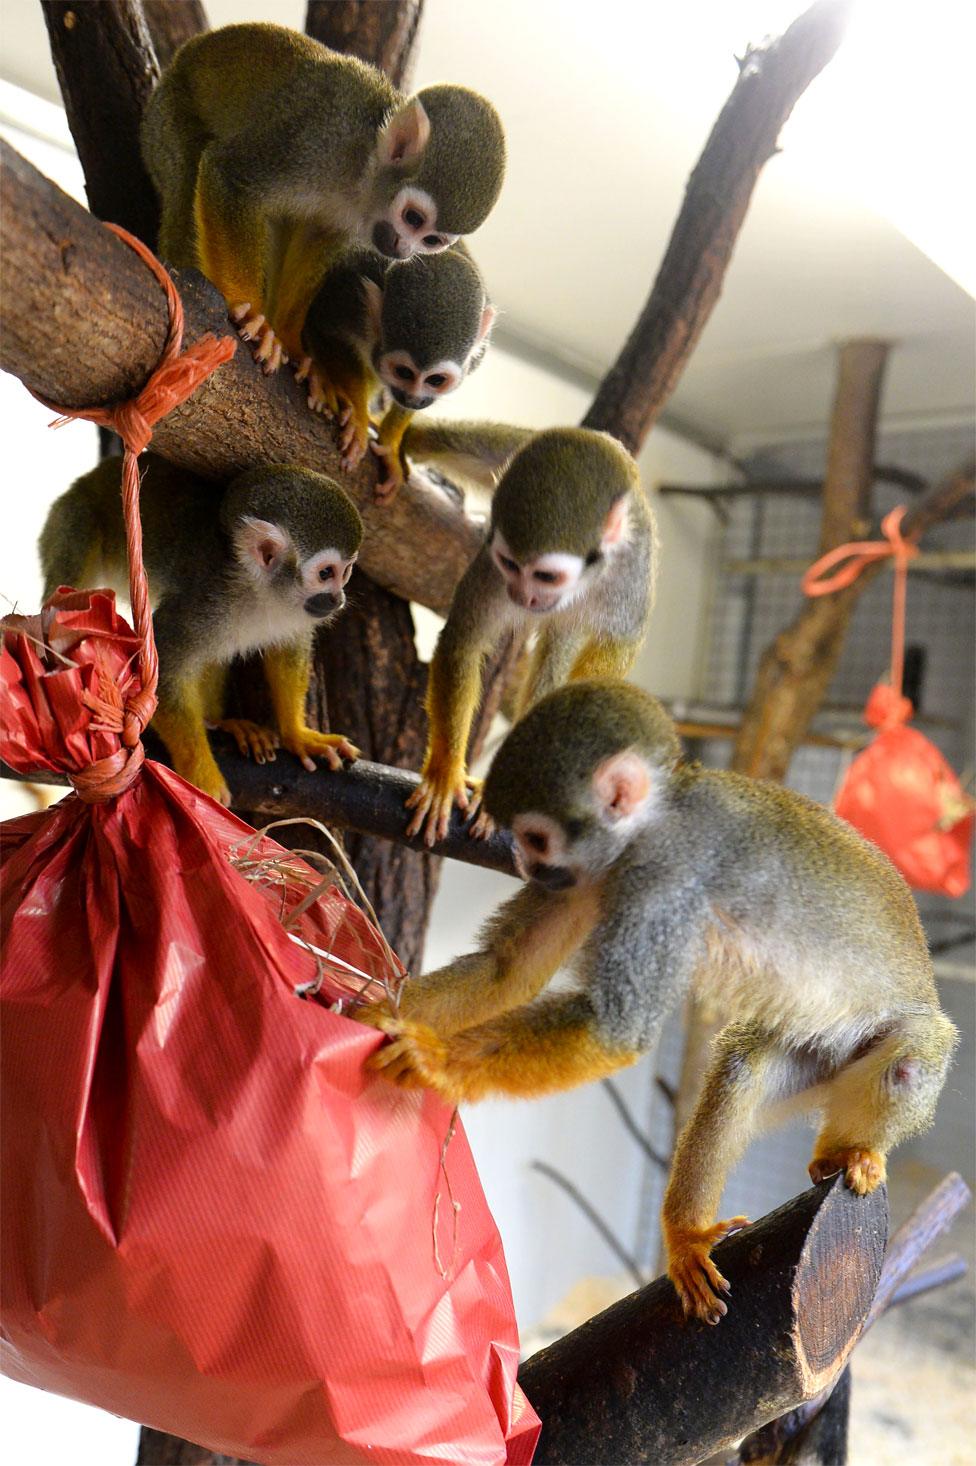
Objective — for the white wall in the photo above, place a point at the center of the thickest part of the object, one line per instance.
(548, 1244)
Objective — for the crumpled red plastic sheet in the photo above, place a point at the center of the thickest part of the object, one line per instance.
(215, 1220)
(899, 791)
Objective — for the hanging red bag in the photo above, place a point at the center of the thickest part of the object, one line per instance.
(215, 1221)
(900, 792)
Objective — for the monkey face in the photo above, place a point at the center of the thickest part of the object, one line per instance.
(408, 226)
(417, 387)
(541, 584)
(541, 851)
(322, 579)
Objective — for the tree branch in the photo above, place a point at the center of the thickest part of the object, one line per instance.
(382, 32)
(771, 80)
(110, 42)
(170, 23)
(86, 325)
(640, 1383)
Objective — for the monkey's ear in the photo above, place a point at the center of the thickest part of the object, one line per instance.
(260, 542)
(373, 295)
(622, 784)
(404, 137)
(488, 316)
(617, 523)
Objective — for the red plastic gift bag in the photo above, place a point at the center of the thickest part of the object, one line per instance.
(215, 1220)
(901, 793)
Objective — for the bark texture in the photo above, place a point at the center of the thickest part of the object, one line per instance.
(639, 1383)
(106, 68)
(382, 32)
(772, 78)
(170, 23)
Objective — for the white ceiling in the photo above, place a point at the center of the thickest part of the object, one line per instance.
(606, 109)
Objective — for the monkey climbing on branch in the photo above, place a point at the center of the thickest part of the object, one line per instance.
(416, 327)
(273, 155)
(256, 568)
(570, 553)
(650, 875)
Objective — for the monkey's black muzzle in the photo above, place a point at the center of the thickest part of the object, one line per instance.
(553, 877)
(385, 238)
(324, 604)
(406, 399)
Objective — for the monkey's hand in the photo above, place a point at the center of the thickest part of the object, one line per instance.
(394, 470)
(697, 1280)
(863, 1169)
(252, 740)
(307, 745)
(252, 326)
(434, 798)
(415, 1058)
(482, 826)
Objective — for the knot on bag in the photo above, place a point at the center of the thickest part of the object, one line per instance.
(176, 377)
(886, 707)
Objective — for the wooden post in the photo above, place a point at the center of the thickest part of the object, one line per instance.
(640, 1383)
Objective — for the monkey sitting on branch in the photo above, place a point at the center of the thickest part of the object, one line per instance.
(416, 327)
(651, 875)
(569, 553)
(273, 155)
(256, 568)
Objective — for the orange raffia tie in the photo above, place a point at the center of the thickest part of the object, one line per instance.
(176, 377)
(859, 554)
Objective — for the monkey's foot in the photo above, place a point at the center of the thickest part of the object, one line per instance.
(353, 434)
(394, 474)
(252, 740)
(415, 1056)
(863, 1169)
(268, 350)
(307, 745)
(433, 799)
(321, 396)
(697, 1280)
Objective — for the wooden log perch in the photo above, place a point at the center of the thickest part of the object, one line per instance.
(780, 1439)
(772, 77)
(85, 326)
(640, 1383)
(364, 797)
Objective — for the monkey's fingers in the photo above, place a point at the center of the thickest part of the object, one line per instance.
(252, 740)
(321, 395)
(378, 1015)
(433, 799)
(270, 352)
(482, 827)
(864, 1169)
(308, 744)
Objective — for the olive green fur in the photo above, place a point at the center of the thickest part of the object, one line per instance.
(464, 127)
(580, 728)
(287, 128)
(187, 522)
(432, 307)
(556, 493)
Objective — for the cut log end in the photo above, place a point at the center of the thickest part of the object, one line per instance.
(802, 1282)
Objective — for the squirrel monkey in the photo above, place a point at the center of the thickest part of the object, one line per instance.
(256, 568)
(272, 155)
(652, 875)
(569, 552)
(417, 327)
